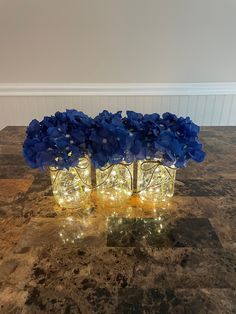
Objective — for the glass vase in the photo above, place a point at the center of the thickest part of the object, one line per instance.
(72, 187)
(114, 184)
(153, 181)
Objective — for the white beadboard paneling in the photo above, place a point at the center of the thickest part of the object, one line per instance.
(195, 108)
(130, 103)
(173, 103)
(226, 109)
(165, 103)
(183, 104)
(216, 113)
(156, 104)
(201, 103)
(210, 103)
(232, 114)
(138, 104)
(204, 110)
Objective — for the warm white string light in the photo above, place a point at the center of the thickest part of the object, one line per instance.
(72, 187)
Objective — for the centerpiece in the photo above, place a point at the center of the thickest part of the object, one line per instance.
(111, 156)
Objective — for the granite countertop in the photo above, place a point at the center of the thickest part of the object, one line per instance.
(56, 261)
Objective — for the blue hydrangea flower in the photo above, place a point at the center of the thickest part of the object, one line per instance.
(61, 140)
(108, 139)
(185, 144)
(171, 139)
(136, 149)
(57, 141)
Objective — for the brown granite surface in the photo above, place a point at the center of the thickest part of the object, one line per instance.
(178, 258)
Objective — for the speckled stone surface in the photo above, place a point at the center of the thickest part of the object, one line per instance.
(178, 258)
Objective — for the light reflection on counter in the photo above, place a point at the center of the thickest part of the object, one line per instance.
(100, 222)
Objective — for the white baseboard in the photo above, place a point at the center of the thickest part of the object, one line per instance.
(118, 89)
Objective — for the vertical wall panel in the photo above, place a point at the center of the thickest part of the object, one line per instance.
(205, 110)
(226, 109)
(173, 102)
(165, 103)
(232, 114)
(156, 104)
(182, 106)
(209, 108)
(216, 112)
(200, 106)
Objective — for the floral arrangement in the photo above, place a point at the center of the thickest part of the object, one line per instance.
(61, 140)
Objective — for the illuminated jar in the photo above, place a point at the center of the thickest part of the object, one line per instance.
(114, 183)
(72, 187)
(152, 181)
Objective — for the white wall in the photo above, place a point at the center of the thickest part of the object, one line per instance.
(204, 110)
(99, 41)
